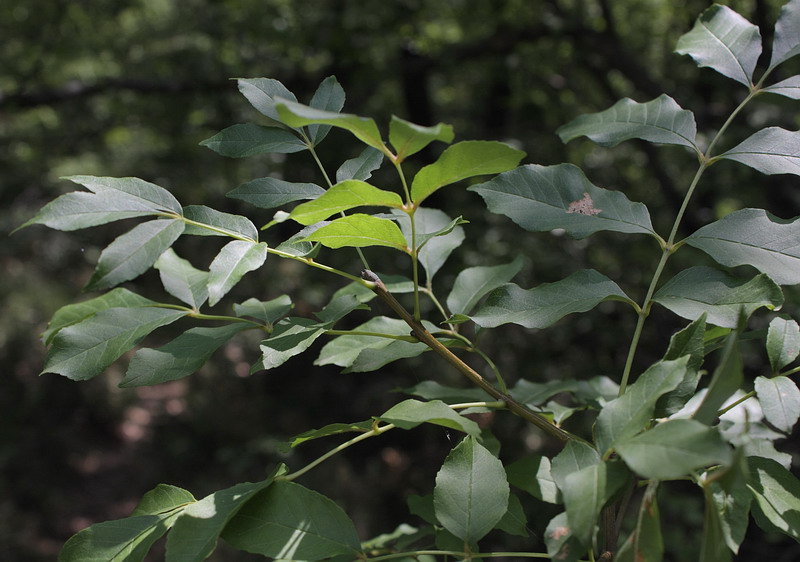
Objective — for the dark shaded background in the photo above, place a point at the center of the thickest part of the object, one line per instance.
(130, 88)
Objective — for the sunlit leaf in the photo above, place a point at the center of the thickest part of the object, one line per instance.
(222, 224)
(181, 279)
(122, 540)
(328, 97)
(660, 121)
(544, 198)
(783, 342)
(360, 167)
(161, 499)
(359, 231)
(723, 40)
(410, 413)
(780, 400)
(770, 151)
(787, 34)
(229, 266)
(249, 139)
(473, 283)
(408, 138)
(269, 193)
(344, 196)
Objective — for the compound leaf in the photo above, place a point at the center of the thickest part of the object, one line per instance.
(328, 97)
(145, 193)
(78, 209)
(360, 167)
(437, 231)
(262, 93)
(217, 223)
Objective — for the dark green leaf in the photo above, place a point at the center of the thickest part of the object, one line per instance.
(234, 260)
(261, 93)
(464, 160)
(430, 223)
(145, 193)
(410, 413)
(248, 139)
(328, 97)
(725, 41)
(432, 390)
(360, 167)
(674, 449)
(514, 521)
(544, 198)
(561, 543)
(182, 280)
(536, 394)
(471, 493)
(787, 33)
(331, 429)
(179, 358)
(339, 307)
(371, 359)
(408, 138)
(344, 196)
(686, 343)
(777, 497)
(783, 342)
(297, 245)
(732, 499)
(546, 304)
(269, 193)
(645, 543)
(780, 400)
(713, 547)
(223, 224)
(473, 283)
(573, 457)
(83, 350)
(532, 474)
(265, 311)
(291, 336)
(288, 521)
(660, 121)
(720, 296)
(586, 492)
(770, 151)
(134, 252)
(344, 350)
(725, 381)
(754, 237)
(359, 231)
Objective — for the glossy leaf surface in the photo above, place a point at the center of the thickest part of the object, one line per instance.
(342, 197)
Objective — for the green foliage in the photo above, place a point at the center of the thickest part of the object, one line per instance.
(653, 427)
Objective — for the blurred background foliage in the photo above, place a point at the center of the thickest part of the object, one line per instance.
(129, 88)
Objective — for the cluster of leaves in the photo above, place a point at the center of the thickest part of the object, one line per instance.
(657, 428)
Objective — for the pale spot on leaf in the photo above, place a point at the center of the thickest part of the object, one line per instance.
(583, 206)
(559, 532)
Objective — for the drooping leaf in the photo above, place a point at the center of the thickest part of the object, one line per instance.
(429, 222)
(134, 252)
(732, 500)
(573, 457)
(179, 358)
(725, 41)
(371, 359)
(464, 160)
(297, 245)
(725, 381)
(473, 283)
(720, 296)
(76, 210)
(471, 493)
(222, 224)
(789, 88)
(787, 30)
(234, 260)
(83, 350)
(544, 198)
(78, 312)
(783, 342)
(408, 138)
(182, 280)
(344, 350)
(161, 499)
(546, 304)
(360, 167)
(532, 474)
(687, 343)
(754, 237)
(248, 139)
(770, 151)
(535, 394)
(674, 449)
(269, 193)
(713, 547)
(328, 97)
(359, 231)
(585, 493)
(265, 311)
(330, 429)
(344, 196)
(660, 121)
(291, 336)
(121, 540)
(410, 413)
(631, 413)
(145, 193)
(780, 400)
(645, 543)
(561, 544)
(261, 93)
(776, 492)
(288, 521)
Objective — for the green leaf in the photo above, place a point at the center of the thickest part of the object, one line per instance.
(685, 343)
(223, 224)
(371, 359)
(645, 543)
(780, 400)
(297, 115)
(249, 139)
(328, 97)
(234, 260)
(754, 237)
(440, 234)
(544, 305)
(660, 121)
(360, 167)
(83, 350)
(195, 534)
(144, 193)
(122, 540)
(787, 31)
(631, 413)
(535, 394)
(573, 457)
(544, 198)
(783, 342)
(674, 449)
(359, 231)
(261, 93)
(713, 547)
(288, 521)
(732, 500)
(471, 493)
(586, 492)
(76, 210)
(514, 521)
(473, 283)
(161, 499)
(723, 40)
(344, 350)
(179, 358)
(297, 245)
(269, 193)
(291, 336)
(408, 138)
(720, 296)
(725, 381)
(432, 390)
(134, 252)
(770, 151)
(331, 429)
(265, 311)
(464, 160)
(777, 497)
(789, 88)
(78, 312)
(410, 413)
(561, 543)
(344, 196)
(182, 280)
(339, 307)
(532, 474)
